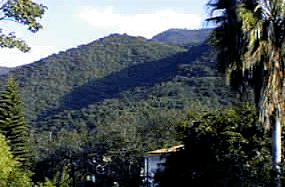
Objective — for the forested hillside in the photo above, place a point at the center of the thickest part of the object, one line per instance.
(5, 70)
(119, 95)
(183, 37)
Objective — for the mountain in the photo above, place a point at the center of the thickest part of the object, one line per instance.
(126, 92)
(49, 83)
(5, 70)
(115, 68)
(182, 37)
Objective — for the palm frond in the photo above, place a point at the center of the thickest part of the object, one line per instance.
(217, 19)
(260, 40)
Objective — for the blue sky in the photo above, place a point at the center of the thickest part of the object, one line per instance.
(70, 23)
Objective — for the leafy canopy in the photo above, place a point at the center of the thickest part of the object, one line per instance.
(227, 146)
(24, 12)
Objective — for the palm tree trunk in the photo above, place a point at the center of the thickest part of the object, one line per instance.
(276, 131)
(259, 97)
(276, 146)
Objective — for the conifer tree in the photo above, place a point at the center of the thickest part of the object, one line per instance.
(12, 124)
(10, 172)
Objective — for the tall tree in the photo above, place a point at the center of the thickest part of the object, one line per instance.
(25, 12)
(232, 139)
(12, 124)
(10, 172)
(252, 48)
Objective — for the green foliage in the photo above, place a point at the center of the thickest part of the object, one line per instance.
(7, 161)
(60, 179)
(11, 41)
(218, 146)
(67, 108)
(25, 12)
(230, 41)
(250, 41)
(248, 17)
(10, 172)
(13, 125)
(20, 178)
(46, 184)
(179, 37)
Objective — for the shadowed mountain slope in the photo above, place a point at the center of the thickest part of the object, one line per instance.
(45, 84)
(121, 69)
(125, 92)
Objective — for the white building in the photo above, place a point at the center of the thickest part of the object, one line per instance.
(153, 161)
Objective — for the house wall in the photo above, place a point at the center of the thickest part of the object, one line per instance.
(152, 164)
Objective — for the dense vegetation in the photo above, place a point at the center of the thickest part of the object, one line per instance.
(16, 155)
(13, 126)
(117, 96)
(223, 147)
(122, 96)
(183, 37)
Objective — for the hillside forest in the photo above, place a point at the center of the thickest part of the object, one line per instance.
(119, 97)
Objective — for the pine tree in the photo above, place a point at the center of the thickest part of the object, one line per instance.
(12, 124)
(10, 172)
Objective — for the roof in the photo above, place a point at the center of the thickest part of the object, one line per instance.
(164, 151)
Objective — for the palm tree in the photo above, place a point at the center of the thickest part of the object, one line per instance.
(250, 36)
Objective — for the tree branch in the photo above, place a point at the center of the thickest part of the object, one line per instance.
(3, 17)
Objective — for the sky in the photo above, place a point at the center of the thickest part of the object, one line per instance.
(70, 23)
